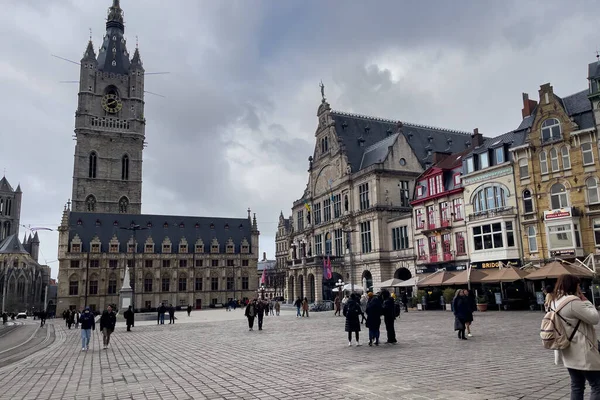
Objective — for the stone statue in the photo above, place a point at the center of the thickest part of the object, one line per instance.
(322, 91)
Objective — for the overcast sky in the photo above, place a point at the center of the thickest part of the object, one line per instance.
(237, 124)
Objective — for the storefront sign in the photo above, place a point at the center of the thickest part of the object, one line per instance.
(496, 264)
(557, 214)
(558, 253)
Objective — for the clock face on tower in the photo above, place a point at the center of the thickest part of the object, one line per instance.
(111, 103)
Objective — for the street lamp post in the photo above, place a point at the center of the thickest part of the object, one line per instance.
(134, 228)
(349, 249)
(262, 291)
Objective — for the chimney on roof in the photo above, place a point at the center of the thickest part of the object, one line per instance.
(528, 106)
(476, 138)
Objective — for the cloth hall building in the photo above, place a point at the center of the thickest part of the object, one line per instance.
(178, 260)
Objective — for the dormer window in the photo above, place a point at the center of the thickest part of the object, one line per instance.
(166, 248)
(245, 249)
(499, 155)
(183, 248)
(419, 191)
(95, 247)
(199, 248)
(470, 165)
(114, 248)
(131, 248)
(484, 160)
(551, 130)
(76, 248)
(149, 248)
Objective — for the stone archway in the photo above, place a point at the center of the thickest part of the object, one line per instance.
(310, 288)
(291, 295)
(367, 280)
(329, 285)
(301, 286)
(403, 274)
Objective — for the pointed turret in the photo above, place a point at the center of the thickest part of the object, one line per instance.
(18, 189)
(113, 56)
(5, 186)
(90, 53)
(136, 61)
(254, 225)
(36, 238)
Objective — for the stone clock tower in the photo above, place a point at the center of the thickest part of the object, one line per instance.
(109, 125)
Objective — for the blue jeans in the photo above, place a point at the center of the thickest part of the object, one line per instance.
(86, 334)
(162, 318)
(578, 379)
(298, 312)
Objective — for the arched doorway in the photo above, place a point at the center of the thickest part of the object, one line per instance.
(290, 294)
(329, 285)
(301, 286)
(367, 280)
(310, 289)
(403, 274)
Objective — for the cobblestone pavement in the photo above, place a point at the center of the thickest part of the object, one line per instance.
(306, 358)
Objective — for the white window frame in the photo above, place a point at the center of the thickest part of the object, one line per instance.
(484, 160)
(554, 164)
(470, 165)
(560, 195)
(543, 163)
(532, 239)
(592, 194)
(499, 151)
(596, 229)
(566, 157)
(523, 166)
(569, 232)
(589, 153)
(549, 126)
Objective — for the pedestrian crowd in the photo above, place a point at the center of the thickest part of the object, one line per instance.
(259, 308)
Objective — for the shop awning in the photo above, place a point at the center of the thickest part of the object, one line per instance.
(507, 274)
(555, 269)
(408, 283)
(463, 277)
(436, 279)
(389, 283)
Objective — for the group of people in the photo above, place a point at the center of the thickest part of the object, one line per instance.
(259, 308)
(163, 309)
(301, 304)
(377, 306)
(87, 321)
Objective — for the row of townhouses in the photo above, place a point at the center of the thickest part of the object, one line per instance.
(389, 199)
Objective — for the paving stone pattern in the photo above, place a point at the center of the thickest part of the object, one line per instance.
(292, 358)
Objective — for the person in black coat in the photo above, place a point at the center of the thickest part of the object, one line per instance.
(353, 312)
(129, 316)
(108, 320)
(374, 311)
(250, 313)
(462, 310)
(171, 314)
(189, 309)
(389, 316)
(260, 312)
(472, 307)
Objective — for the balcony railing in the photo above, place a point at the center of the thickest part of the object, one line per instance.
(445, 223)
(448, 256)
(492, 213)
(431, 225)
(433, 258)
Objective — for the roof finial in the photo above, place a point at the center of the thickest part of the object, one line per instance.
(137, 42)
(322, 91)
(69, 204)
(597, 55)
(90, 34)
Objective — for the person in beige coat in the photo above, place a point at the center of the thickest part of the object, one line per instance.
(581, 358)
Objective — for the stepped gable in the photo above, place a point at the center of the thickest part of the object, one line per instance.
(105, 226)
(359, 133)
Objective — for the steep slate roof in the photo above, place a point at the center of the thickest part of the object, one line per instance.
(510, 139)
(89, 225)
(577, 106)
(12, 245)
(5, 186)
(114, 40)
(351, 127)
(378, 152)
(594, 69)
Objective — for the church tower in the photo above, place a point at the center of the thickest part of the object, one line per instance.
(109, 125)
(10, 209)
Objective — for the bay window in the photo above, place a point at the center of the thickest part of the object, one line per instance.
(560, 236)
(488, 236)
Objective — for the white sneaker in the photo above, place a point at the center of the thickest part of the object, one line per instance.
(83, 349)
(349, 344)
(469, 335)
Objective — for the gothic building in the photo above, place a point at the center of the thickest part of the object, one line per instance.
(23, 280)
(178, 260)
(355, 211)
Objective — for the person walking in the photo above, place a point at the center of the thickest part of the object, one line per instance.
(271, 306)
(389, 316)
(404, 300)
(108, 321)
(277, 308)
(129, 317)
(461, 309)
(161, 313)
(581, 357)
(42, 316)
(171, 314)
(353, 312)
(374, 311)
(363, 306)
(305, 307)
(261, 309)
(76, 319)
(250, 313)
(189, 309)
(88, 324)
(470, 296)
(337, 303)
(298, 304)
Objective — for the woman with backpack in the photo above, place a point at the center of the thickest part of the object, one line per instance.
(581, 357)
(352, 312)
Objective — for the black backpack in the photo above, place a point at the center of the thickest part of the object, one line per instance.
(396, 309)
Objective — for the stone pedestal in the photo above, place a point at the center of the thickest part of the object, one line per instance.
(126, 293)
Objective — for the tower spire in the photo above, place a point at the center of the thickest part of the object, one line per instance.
(115, 16)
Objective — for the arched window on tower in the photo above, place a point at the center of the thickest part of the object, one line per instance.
(125, 168)
(90, 203)
(93, 165)
(123, 205)
(8, 207)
